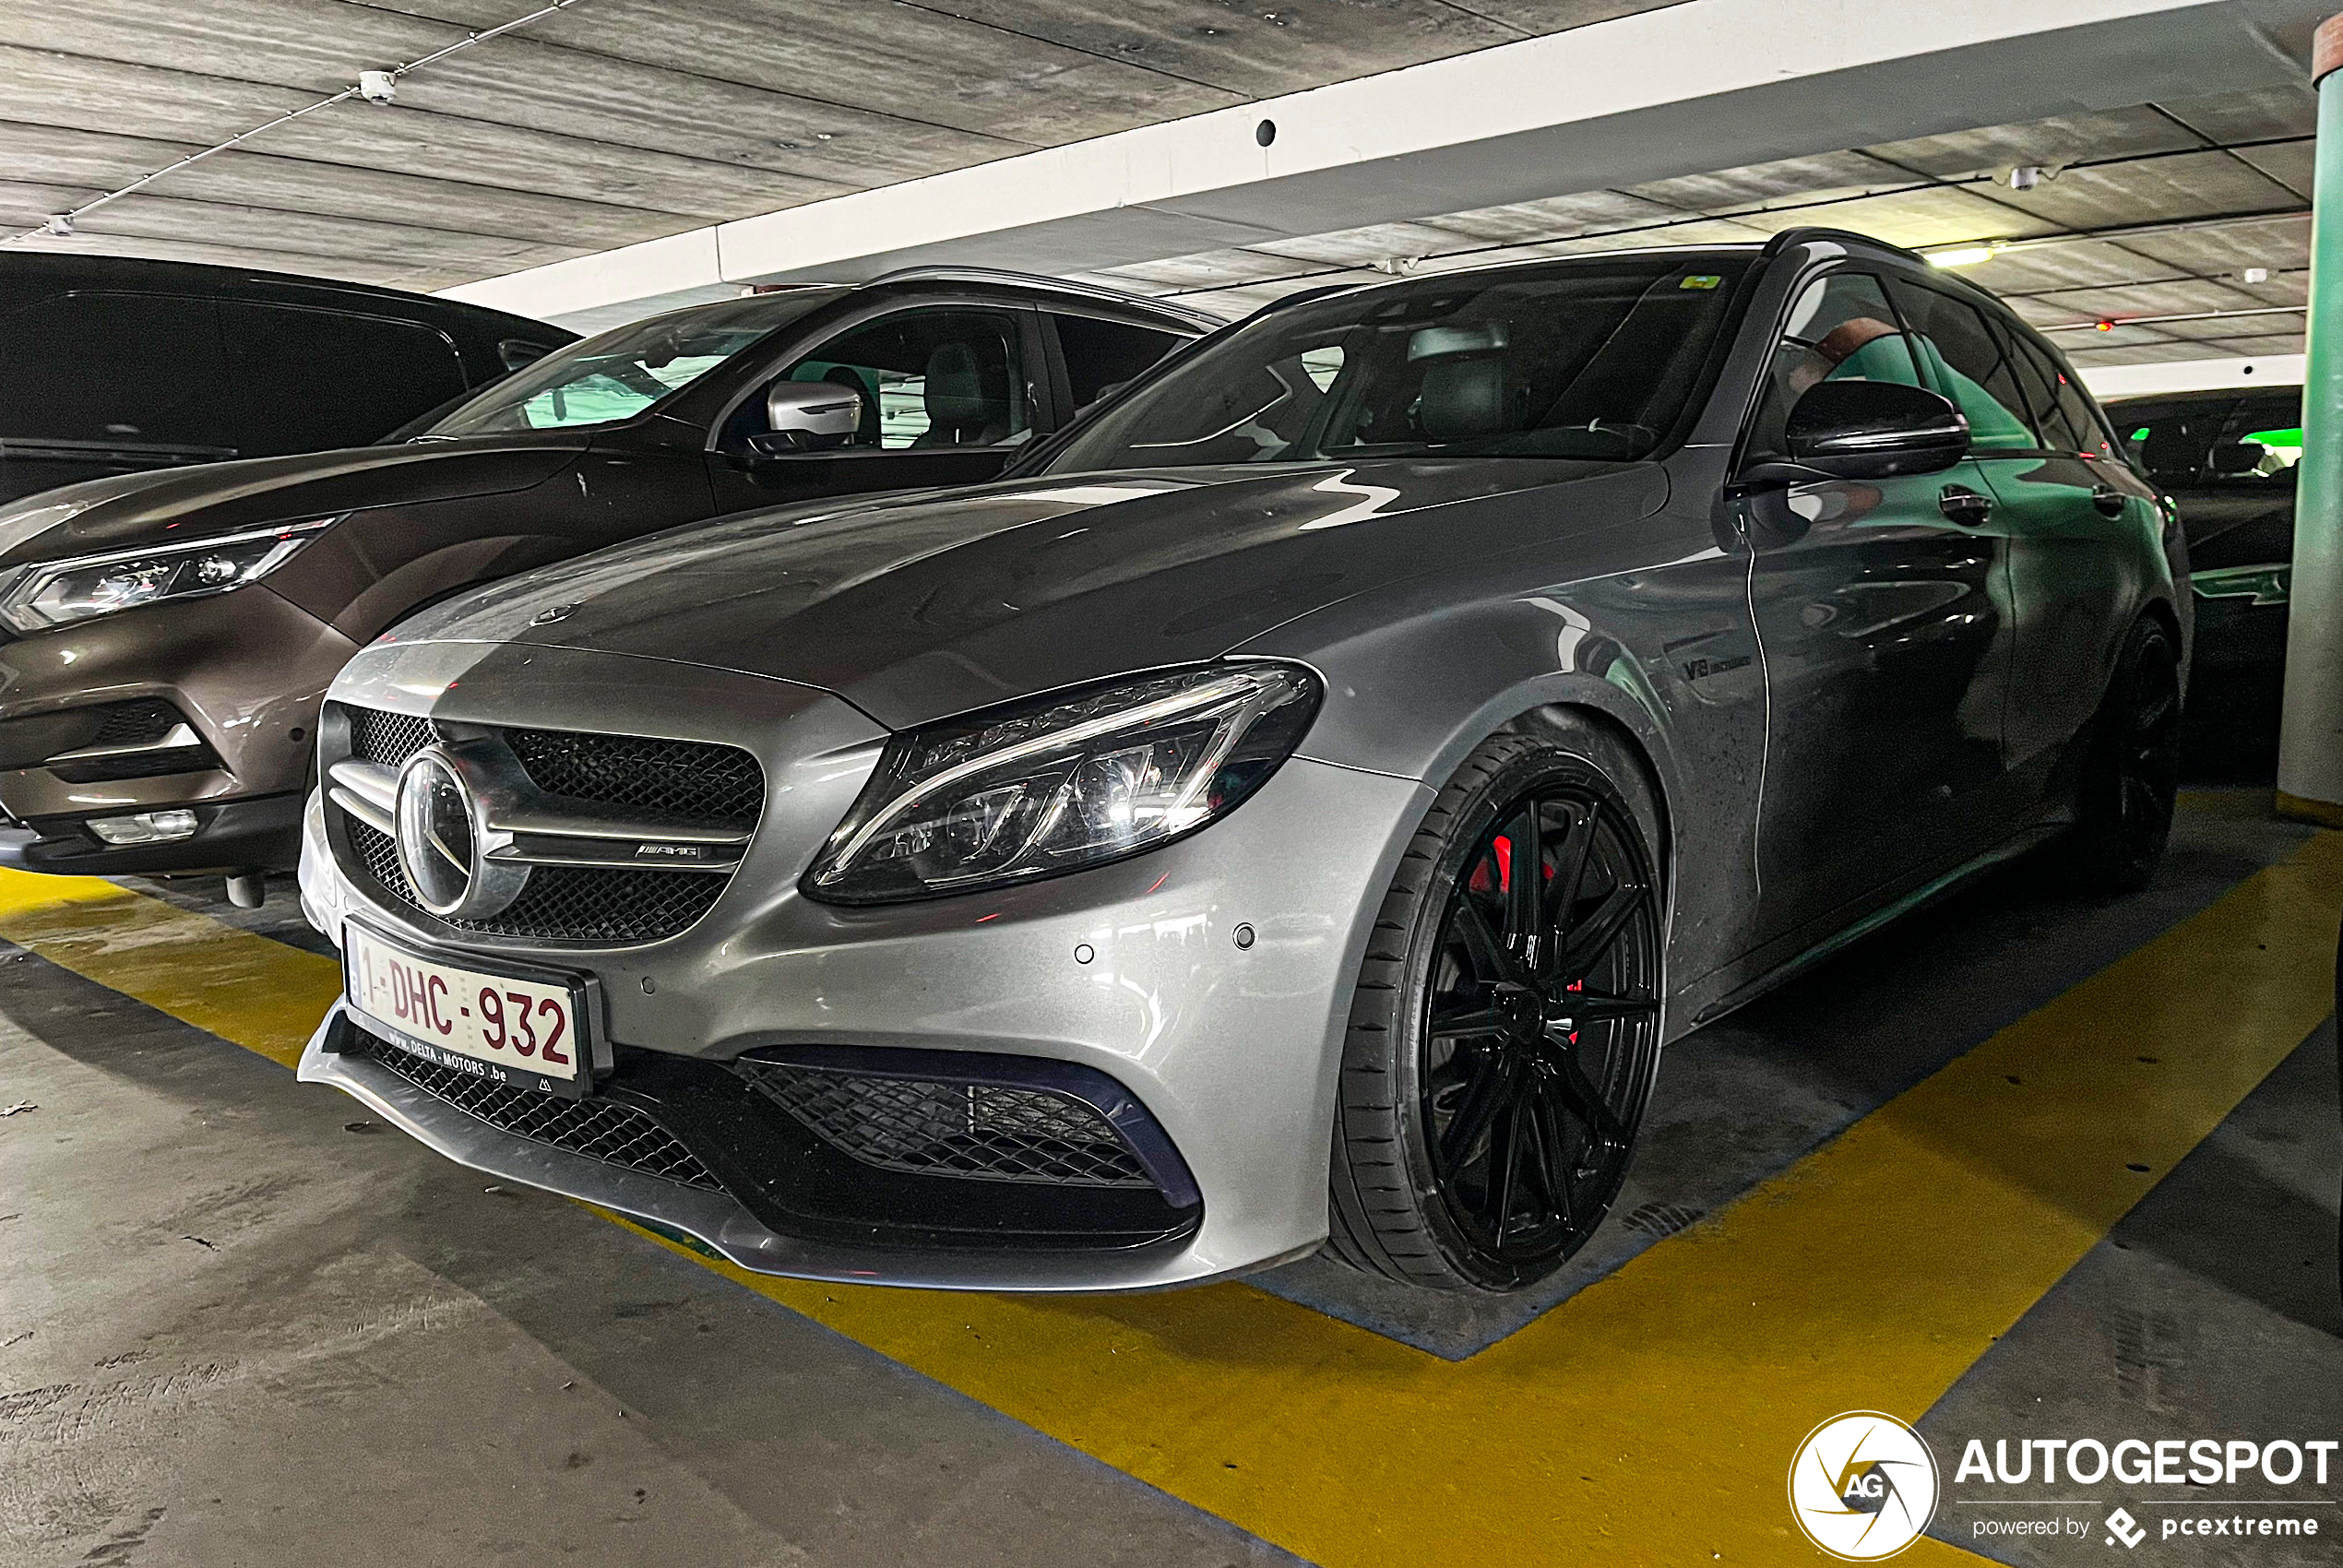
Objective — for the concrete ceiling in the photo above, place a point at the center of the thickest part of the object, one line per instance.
(2211, 163)
(619, 121)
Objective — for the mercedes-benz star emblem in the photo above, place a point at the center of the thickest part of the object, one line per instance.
(440, 828)
(550, 614)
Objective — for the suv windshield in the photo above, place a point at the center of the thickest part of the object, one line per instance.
(1591, 359)
(620, 372)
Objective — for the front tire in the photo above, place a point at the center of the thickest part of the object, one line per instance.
(1505, 1030)
(2123, 807)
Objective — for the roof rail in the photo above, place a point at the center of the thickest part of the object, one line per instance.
(1799, 236)
(942, 274)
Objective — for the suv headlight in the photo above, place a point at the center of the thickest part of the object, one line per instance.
(55, 593)
(1073, 781)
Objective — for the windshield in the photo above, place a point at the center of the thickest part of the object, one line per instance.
(1591, 357)
(619, 374)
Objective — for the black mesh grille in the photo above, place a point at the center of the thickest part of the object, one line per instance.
(136, 724)
(387, 737)
(685, 781)
(140, 723)
(691, 783)
(985, 1132)
(566, 903)
(599, 1129)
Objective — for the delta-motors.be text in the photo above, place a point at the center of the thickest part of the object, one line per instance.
(2173, 1462)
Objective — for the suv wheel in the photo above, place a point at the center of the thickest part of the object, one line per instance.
(1505, 1030)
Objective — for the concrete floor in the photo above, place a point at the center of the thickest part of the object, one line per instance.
(242, 1324)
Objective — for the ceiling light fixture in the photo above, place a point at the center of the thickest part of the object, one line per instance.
(1963, 256)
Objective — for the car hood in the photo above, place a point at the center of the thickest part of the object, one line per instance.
(916, 606)
(130, 510)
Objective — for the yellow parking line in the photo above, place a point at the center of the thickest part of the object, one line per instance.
(1651, 1417)
(248, 990)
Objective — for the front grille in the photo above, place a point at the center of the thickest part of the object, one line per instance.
(599, 1129)
(565, 903)
(929, 1127)
(670, 780)
(377, 735)
(694, 783)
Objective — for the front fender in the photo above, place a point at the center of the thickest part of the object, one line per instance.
(1417, 678)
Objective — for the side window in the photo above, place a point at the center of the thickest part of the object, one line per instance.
(1969, 364)
(2041, 379)
(2173, 441)
(1100, 354)
(2259, 444)
(321, 378)
(1842, 328)
(928, 378)
(128, 370)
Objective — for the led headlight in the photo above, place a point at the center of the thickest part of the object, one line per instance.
(57, 593)
(1073, 781)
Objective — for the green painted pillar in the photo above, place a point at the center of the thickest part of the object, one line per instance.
(2310, 759)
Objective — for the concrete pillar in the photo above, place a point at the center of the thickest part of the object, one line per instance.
(2310, 758)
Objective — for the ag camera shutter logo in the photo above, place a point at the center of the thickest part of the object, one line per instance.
(1862, 1486)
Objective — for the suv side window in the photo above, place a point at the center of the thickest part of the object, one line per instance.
(328, 378)
(2259, 444)
(1842, 328)
(929, 378)
(1100, 354)
(1969, 364)
(116, 369)
(2042, 380)
(2173, 443)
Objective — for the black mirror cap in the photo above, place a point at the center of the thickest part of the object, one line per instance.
(2237, 456)
(1875, 430)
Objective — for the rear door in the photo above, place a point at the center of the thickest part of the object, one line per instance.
(2071, 520)
(97, 383)
(1881, 611)
(950, 394)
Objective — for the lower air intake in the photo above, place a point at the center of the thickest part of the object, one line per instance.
(929, 1127)
(599, 1129)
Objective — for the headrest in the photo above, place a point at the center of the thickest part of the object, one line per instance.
(954, 393)
(1462, 398)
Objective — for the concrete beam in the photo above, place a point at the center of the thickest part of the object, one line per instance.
(2191, 376)
(1700, 85)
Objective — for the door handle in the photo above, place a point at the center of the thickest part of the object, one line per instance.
(1964, 505)
(2107, 499)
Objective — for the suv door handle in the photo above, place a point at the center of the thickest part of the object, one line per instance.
(2107, 499)
(1964, 505)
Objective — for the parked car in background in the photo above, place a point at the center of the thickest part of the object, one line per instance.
(2227, 459)
(171, 632)
(1303, 796)
(114, 365)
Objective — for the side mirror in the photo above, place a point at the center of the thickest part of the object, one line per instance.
(1875, 430)
(2237, 456)
(807, 415)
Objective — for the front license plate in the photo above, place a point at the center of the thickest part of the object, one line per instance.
(521, 1033)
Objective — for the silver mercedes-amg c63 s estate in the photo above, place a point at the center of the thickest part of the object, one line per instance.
(1297, 803)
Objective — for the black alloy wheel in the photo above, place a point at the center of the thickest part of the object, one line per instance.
(1530, 1022)
(2124, 816)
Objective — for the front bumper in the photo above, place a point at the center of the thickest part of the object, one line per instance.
(230, 836)
(239, 675)
(1132, 970)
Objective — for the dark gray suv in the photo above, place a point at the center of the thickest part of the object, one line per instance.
(1299, 800)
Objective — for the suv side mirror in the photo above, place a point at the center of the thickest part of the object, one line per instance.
(1875, 430)
(807, 415)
